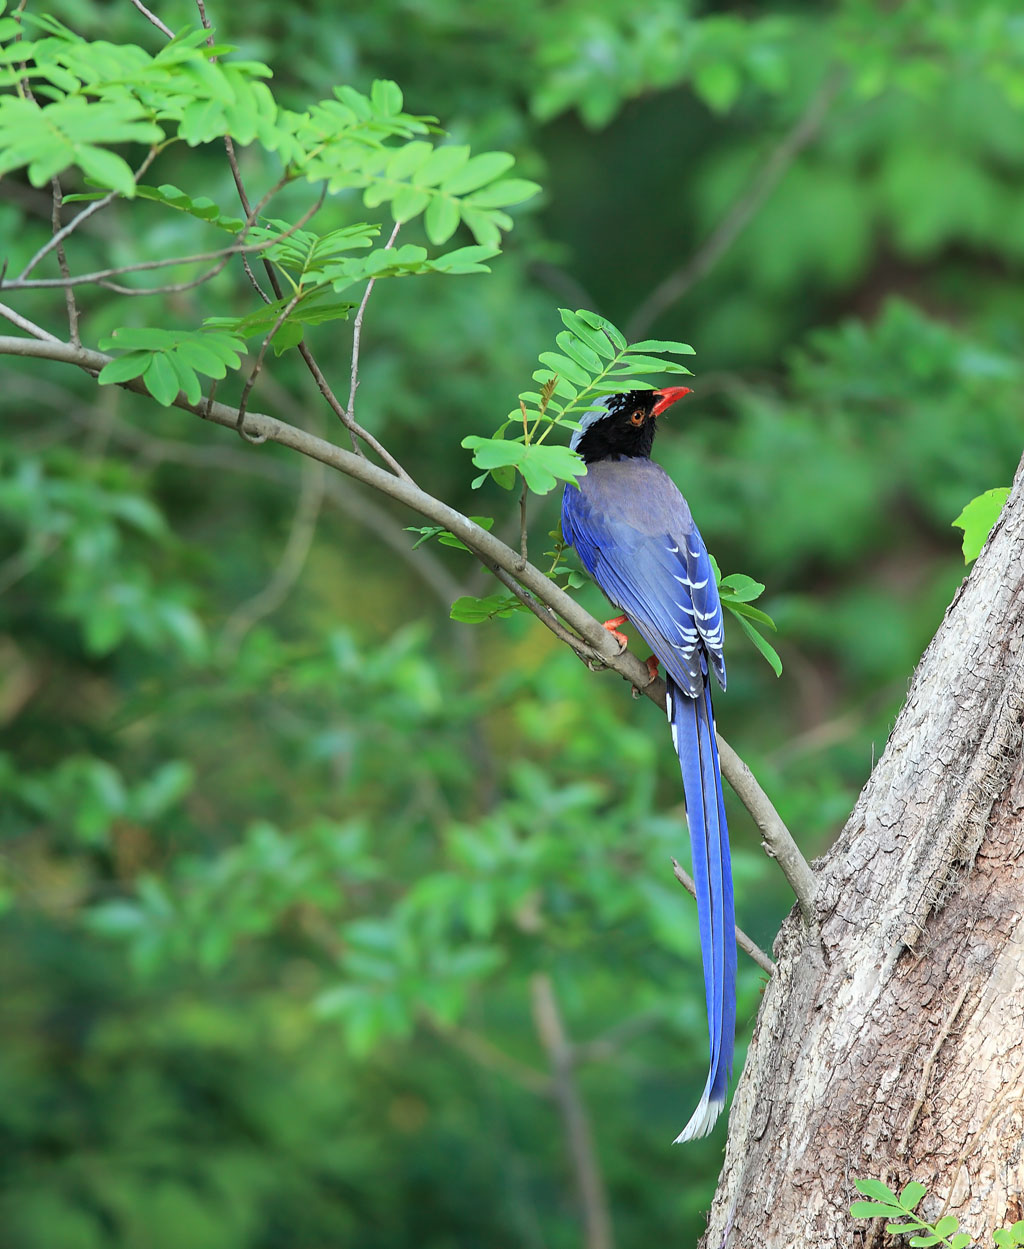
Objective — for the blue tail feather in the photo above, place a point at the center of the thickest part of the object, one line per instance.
(692, 721)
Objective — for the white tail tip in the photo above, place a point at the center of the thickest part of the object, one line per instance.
(702, 1120)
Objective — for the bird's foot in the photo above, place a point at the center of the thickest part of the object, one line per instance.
(613, 628)
(651, 663)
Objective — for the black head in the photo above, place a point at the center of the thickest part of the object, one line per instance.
(625, 425)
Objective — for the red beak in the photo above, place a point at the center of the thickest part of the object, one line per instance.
(668, 397)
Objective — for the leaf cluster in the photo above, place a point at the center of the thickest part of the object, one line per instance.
(900, 1210)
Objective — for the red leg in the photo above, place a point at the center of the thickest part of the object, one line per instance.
(652, 666)
(613, 628)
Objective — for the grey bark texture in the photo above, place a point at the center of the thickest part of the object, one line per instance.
(890, 1044)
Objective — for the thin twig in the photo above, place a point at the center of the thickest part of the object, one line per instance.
(778, 840)
(742, 940)
(30, 327)
(283, 316)
(488, 1055)
(102, 275)
(357, 333)
(676, 285)
(88, 211)
(152, 17)
(291, 564)
(325, 389)
(62, 261)
(597, 1223)
(590, 635)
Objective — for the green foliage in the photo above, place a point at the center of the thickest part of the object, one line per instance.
(977, 519)
(884, 1203)
(596, 362)
(170, 360)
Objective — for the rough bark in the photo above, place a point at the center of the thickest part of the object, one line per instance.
(891, 1044)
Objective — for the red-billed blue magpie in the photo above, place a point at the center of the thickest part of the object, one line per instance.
(635, 536)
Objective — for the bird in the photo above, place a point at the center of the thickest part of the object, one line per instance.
(635, 535)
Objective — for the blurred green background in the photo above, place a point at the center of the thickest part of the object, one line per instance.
(286, 855)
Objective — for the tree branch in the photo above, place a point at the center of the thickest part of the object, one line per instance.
(742, 940)
(579, 1136)
(735, 221)
(152, 17)
(487, 547)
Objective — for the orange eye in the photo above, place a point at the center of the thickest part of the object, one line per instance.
(636, 418)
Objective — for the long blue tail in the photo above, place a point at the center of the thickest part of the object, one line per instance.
(693, 735)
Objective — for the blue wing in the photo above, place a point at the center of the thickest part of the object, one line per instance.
(647, 555)
(634, 534)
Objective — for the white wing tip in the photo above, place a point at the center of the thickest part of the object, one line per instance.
(702, 1120)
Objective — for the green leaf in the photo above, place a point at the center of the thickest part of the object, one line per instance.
(565, 367)
(442, 164)
(873, 1210)
(718, 85)
(977, 519)
(505, 192)
(161, 380)
(911, 1196)
(877, 1190)
(593, 338)
(919, 1242)
(441, 219)
(472, 610)
(124, 368)
(107, 168)
(477, 172)
(947, 1225)
(663, 345)
(766, 649)
(742, 587)
(542, 466)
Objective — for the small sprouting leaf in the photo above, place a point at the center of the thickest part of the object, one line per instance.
(472, 610)
(977, 519)
(947, 1225)
(444, 536)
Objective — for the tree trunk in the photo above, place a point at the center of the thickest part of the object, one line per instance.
(890, 1045)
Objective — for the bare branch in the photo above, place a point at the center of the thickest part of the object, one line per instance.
(778, 840)
(75, 222)
(152, 17)
(357, 332)
(589, 633)
(742, 940)
(348, 421)
(547, 1019)
(292, 561)
(30, 327)
(65, 272)
(488, 1055)
(735, 221)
